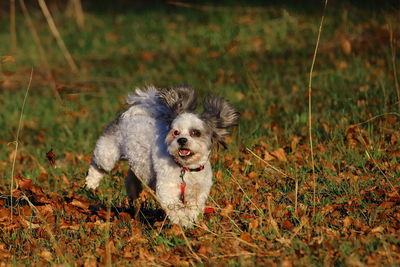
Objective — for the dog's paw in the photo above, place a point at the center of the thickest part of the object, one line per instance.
(92, 183)
(93, 178)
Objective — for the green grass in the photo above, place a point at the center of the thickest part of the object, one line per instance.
(258, 57)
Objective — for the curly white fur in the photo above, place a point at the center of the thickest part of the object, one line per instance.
(159, 135)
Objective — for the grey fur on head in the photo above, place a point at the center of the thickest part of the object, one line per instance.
(178, 99)
(219, 115)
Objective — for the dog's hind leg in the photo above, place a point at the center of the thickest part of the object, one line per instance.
(106, 155)
(133, 189)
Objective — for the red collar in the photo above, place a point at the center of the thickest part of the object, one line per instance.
(187, 169)
(193, 170)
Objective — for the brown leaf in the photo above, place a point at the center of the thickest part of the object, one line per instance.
(213, 54)
(45, 254)
(284, 241)
(148, 56)
(268, 157)
(23, 183)
(80, 204)
(65, 225)
(90, 262)
(286, 224)
(280, 154)
(8, 59)
(246, 237)
(175, 230)
(253, 225)
(325, 127)
(347, 221)
(110, 246)
(205, 250)
(51, 157)
(295, 140)
(346, 46)
(341, 64)
(227, 210)
(387, 204)
(378, 229)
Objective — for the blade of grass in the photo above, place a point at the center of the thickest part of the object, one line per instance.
(393, 53)
(310, 105)
(17, 141)
(13, 30)
(78, 10)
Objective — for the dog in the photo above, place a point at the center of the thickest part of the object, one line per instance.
(167, 145)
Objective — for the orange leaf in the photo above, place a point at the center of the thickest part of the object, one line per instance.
(7, 59)
(254, 225)
(246, 237)
(23, 183)
(347, 221)
(346, 46)
(227, 210)
(280, 154)
(268, 157)
(80, 204)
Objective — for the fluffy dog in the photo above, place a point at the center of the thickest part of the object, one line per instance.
(167, 145)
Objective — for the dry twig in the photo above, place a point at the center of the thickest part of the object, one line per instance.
(57, 36)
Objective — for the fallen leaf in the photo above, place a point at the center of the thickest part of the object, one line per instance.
(227, 210)
(378, 229)
(80, 204)
(246, 237)
(295, 140)
(286, 224)
(347, 221)
(346, 46)
(23, 183)
(280, 154)
(45, 254)
(51, 157)
(268, 157)
(253, 225)
(90, 262)
(65, 225)
(387, 204)
(148, 56)
(8, 59)
(284, 241)
(205, 250)
(175, 230)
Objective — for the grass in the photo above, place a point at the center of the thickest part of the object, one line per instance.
(257, 56)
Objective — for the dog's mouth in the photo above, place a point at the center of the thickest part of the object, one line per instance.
(184, 152)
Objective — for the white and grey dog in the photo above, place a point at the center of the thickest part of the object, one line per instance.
(167, 145)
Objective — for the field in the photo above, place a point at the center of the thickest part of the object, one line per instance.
(277, 198)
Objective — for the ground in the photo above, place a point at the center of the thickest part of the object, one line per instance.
(268, 205)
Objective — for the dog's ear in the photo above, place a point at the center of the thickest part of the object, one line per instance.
(178, 99)
(219, 115)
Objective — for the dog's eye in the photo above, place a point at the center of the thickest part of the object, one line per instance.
(195, 133)
(176, 133)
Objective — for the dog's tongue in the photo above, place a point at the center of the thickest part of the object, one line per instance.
(184, 152)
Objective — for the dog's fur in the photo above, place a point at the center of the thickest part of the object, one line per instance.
(160, 136)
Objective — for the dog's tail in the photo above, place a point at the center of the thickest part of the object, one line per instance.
(149, 95)
(167, 103)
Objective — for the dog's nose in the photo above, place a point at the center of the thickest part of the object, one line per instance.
(182, 141)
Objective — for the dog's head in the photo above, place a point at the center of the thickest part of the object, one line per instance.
(191, 136)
